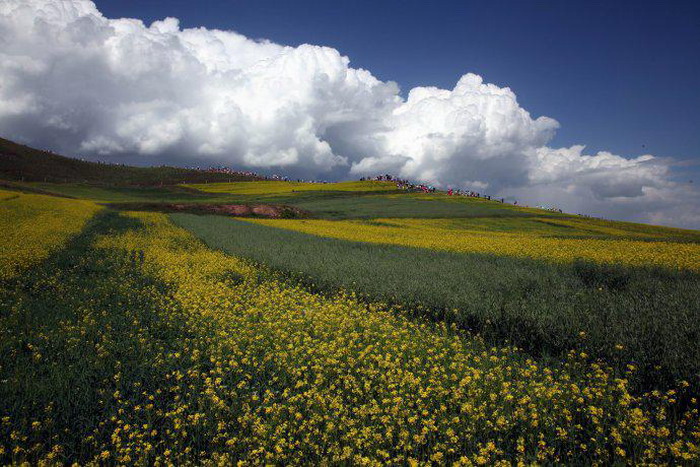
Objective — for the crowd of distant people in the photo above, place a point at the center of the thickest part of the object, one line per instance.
(550, 208)
(401, 184)
(422, 187)
(407, 185)
(273, 177)
(228, 171)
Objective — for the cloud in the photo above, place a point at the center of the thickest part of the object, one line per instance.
(475, 133)
(80, 83)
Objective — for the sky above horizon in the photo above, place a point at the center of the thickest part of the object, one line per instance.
(619, 76)
(497, 96)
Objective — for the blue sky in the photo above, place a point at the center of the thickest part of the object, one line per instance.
(619, 76)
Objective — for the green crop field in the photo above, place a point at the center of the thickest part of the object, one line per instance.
(127, 194)
(409, 205)
(348, 200)
(272, 188)
(380, 327)
(627, 314)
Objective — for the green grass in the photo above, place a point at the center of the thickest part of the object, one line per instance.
(275, 187)
(337, 204)
(366, 199)
(653, 314)
(126, 194)
(410, 205)
(367, 205)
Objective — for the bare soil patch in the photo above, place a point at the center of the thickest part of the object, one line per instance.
(273, 211)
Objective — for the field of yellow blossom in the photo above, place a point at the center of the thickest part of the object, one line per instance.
(560, 240)
(35, 225)
(640, 314)
(138, 344)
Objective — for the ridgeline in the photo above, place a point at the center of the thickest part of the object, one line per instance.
(25, 164)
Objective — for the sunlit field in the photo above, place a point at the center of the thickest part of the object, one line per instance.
(138, 344)
(283, 187)
(33, 226)
(546, 239)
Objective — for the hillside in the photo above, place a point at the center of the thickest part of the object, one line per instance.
(337, 323)
(22, 163)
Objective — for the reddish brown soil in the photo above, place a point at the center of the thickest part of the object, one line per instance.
(236, 210)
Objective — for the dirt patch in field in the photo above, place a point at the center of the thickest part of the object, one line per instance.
(235, 210)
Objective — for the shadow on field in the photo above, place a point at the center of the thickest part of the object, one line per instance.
(67, 326)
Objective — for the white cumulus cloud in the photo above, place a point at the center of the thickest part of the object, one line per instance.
(76, 81)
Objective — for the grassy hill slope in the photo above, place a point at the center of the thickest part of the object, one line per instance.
(22, 163)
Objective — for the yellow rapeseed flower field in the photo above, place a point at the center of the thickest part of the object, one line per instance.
(174, 353)
(277, 375)
(33, 226)
(478, 236)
